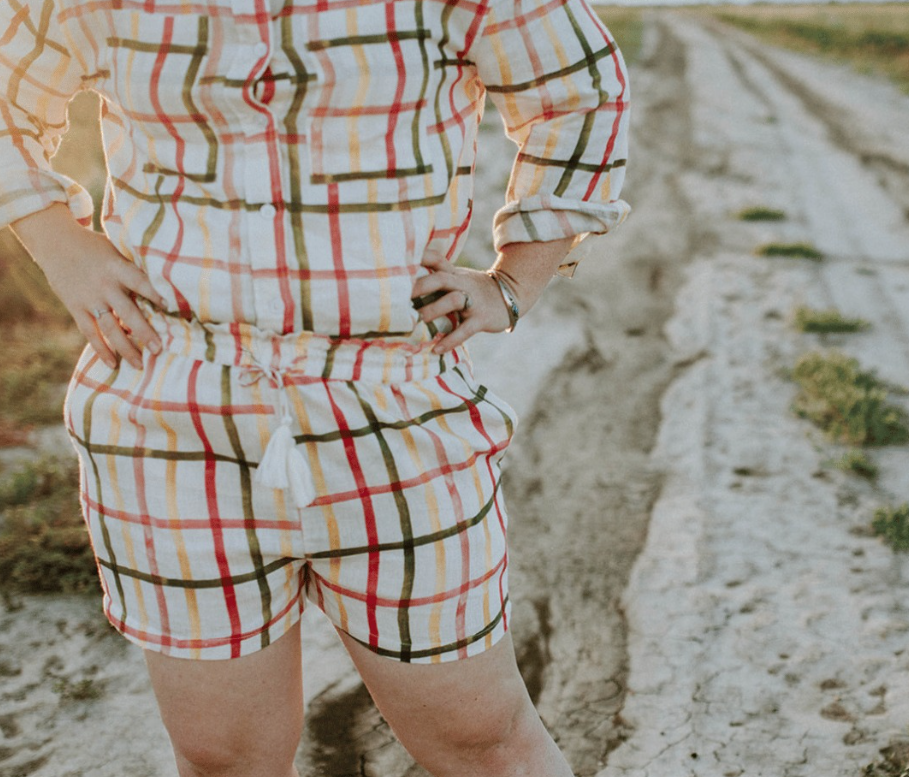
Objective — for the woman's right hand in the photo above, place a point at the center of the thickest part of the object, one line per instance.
(88, 274)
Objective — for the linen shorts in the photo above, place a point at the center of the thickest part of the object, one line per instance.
(403, 545)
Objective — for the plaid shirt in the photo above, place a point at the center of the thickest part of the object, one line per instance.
(289, 166)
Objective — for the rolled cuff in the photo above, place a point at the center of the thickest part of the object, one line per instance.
(39, 189)
(544, 218)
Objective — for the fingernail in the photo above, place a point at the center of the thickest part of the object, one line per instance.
(154, 346)
(162, 302)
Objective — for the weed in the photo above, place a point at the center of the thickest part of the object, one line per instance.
(894, 761)
(824, 321)
(44, 547)
(791, 251)
(873, 39)
(37, 362)
(626, 27)
(891, 524)
(760, 213)
(858, 463)
(848, 403)
(81, 690)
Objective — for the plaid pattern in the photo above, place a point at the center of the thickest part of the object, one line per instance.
(403, 546)
(288, 167)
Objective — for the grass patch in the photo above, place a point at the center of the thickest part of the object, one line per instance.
(791, 251)
(858, 463)
(44, 546)
(760, 213)
(37, 363)
(827, 321)
(891, 524)
(85, 689)
(894, 761)
(626, 26)
(848, 403)
(872, 38)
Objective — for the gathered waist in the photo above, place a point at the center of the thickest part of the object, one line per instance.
(382, 359)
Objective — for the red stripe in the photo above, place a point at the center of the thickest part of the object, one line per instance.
(144, 517)
(211, 500)
(458, 507)
(369, 517)
(418, 601)
(395, 108)
(337, 255)
(174, 254)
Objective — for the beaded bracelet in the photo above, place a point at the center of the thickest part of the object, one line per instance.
(509, 298)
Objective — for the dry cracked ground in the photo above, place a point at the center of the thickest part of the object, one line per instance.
(696, 591)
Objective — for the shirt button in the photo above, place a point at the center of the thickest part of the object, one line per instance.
(260, 49)
(275, 305)
(268, 211)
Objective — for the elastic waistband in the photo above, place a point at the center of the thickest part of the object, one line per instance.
(383, 360)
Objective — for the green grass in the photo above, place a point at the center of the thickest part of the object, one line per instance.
(85, 689)
(827, 321)
(858, 463)
(894, 761)
(872, 38)
(44, 545)
(791, 251)
(848, 403)
(626, 27)
(891, 524)
(760, 213)
(37, 362)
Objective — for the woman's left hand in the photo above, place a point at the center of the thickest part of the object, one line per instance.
(472, 294)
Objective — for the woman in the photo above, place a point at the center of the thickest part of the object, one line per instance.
(275, 403)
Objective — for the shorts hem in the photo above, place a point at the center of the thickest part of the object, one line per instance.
(217, 649)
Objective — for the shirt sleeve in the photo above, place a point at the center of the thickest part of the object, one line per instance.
(553, 71)
(38, 78)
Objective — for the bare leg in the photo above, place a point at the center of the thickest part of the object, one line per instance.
(468, 718)
(241, 717)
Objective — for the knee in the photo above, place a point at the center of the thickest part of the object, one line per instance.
(232, 753)
(485, 744)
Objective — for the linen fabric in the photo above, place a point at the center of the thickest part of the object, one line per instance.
(305, 199)
(403, 546)
(280, 171)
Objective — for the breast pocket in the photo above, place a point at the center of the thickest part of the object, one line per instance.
(157, 80)
(371, 105)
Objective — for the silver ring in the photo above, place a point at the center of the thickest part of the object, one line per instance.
(467, 302)
(98, 312)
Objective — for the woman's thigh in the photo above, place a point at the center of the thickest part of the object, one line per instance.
(230, 712)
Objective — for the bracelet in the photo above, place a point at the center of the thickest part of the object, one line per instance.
(509, 298)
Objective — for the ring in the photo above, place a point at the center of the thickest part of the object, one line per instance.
(467, 302)
(98, 312)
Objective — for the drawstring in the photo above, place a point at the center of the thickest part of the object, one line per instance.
(283, 464)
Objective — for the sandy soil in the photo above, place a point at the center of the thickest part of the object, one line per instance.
(696, 591)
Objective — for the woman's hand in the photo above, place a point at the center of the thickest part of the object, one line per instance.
(96, 284)
(472, 294)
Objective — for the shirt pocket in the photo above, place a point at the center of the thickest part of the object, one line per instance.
(371, 105)
(157, 79)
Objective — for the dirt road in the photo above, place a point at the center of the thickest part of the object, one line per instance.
(695, 590)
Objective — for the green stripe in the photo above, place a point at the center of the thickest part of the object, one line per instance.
(407, 541)
(333, 436)
(296, 167)
(105, 533)
(565, 71)
(217, 582)
(295, 206)
(252, 538)
(365, 40)
(447, 648)
(423, 539)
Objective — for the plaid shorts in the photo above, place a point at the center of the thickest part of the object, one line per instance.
(401, 542)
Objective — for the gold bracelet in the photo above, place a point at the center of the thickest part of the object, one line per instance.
(509, 298)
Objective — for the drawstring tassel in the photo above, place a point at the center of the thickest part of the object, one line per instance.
(284, 466)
